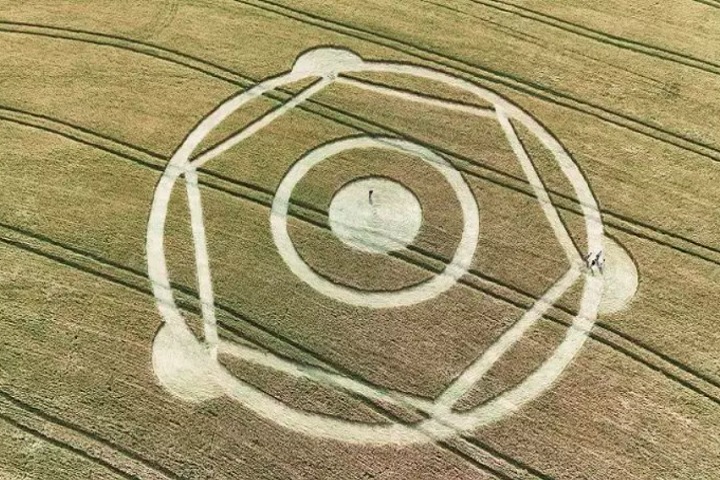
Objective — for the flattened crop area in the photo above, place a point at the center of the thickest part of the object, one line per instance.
(273, 239)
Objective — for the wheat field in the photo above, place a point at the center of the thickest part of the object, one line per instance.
(273, 239)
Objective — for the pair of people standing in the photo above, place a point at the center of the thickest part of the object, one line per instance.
(595, 261)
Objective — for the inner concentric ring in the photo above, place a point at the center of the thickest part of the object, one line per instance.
(457, 267)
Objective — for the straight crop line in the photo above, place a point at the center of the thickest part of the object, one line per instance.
(260, 123)
(132, 45)
(470, 377)
(129, 455)
(67, 447)
(227, 75)
(488, 75)
(558, 226)
(265, 200)
(600, 36)
(418, 98)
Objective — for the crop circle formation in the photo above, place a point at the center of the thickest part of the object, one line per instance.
(397, 226)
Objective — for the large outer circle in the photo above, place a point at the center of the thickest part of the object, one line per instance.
(408, 296)
(443, 425)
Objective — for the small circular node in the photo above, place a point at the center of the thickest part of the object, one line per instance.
(375, 215)
(325, 62)
(183, 366)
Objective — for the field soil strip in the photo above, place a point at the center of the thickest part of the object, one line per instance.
(423, 89)
(523, 358)
(419, 98)
(259, 124)
(597, 35)
(26, 453)
(106, 459)
(475, 372)
(202, 263)
(625, 26)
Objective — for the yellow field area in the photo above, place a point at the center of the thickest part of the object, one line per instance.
(273, 239)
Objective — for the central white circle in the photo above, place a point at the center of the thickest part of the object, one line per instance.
(375, 215)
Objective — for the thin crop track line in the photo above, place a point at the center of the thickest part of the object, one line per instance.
(600, 36)
(47, 417)
(426, 254)
(526, 37)
(710, 3)
(69, 448)
(108, 40)
(511, 81)
(238, 79)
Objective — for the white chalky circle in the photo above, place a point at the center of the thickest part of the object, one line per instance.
(375, 215)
